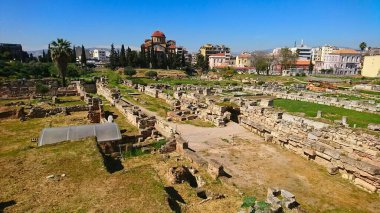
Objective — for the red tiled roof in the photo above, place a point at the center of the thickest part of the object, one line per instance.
(158, 33)
(302, 62)
(172, 46)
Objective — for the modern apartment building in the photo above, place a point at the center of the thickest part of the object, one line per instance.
(303, 51)
(99, 54)
(319, 53)
(209, 49)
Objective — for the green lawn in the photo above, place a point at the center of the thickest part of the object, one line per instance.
(361, 119)
(370, 92)
(153, 104)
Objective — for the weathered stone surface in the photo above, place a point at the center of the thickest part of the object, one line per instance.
(332, 170)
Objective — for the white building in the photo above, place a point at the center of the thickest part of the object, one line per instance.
(219, 60)
(303, 51)
(99, 54)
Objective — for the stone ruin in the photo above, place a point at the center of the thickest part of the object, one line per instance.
(279, 91)
(133, 113)
(280, 199)
(355, 155)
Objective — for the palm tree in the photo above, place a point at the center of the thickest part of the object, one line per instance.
(60, 54)
(363, 45)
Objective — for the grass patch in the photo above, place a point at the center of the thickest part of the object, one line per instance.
(227, 104)
(86, 186)
(361, 119)
(370, 92)
(70, 101)
(153, 104)
(199, 122)
(159, 144)
(133, 153)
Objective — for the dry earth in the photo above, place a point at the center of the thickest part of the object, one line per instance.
(255, 165)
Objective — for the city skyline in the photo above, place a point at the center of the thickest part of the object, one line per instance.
(241, 25)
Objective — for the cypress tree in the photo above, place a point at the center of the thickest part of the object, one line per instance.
(48, 57)
(154, 59)
(73, 55)
(129, 57)
(123, 59)
(148, 59)
(135, 59)
(43, 56)
(83, 59)
(113, 57)
(142, 58)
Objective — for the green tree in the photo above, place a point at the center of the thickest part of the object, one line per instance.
(261, 62)
(287, 58)
(129, 71)
(362, 45)
(129, 57)
(151, 74)
(43, 59)
(202, 62)
(73, 55)
(142, 58)
(60, 53)
(113, 57)
(83, 59)
(311, 66)
(48, 56)
(42, 89)
(123, 59)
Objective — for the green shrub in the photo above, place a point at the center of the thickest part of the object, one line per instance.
(151, 74)
(248, 202)
(129, 71)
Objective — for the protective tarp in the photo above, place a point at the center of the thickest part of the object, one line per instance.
(102, 132)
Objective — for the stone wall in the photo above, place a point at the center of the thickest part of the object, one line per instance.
(355, 155)
(26, 88)
(133, 113)
(312, 97)
(39, 112)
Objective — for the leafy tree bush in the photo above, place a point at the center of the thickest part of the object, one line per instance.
(42, 89)
(129, 71)
(151, 74)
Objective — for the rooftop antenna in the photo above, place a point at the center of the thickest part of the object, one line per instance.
(295, 43)
(301, 42)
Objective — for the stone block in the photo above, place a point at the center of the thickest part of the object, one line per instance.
(365, 185)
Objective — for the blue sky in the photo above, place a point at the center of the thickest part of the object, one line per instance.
(242, 25)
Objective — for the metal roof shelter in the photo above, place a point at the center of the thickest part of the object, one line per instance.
(102, 132)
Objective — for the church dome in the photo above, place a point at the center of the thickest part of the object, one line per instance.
(158, 33)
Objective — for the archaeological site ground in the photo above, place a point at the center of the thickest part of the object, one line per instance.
(175, 142)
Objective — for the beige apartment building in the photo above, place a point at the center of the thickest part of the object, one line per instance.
(210, 49)
(244, 60)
